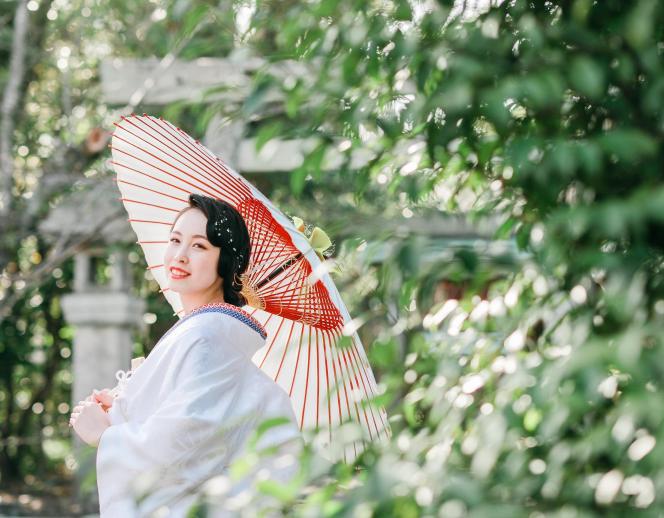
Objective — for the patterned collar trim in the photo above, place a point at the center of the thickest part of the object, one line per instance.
(231, 310)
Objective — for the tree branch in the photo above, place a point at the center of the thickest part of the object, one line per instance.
(10, 100)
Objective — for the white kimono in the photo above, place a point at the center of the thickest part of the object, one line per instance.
(186, 412)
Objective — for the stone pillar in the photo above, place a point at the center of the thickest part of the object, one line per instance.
(104, 317)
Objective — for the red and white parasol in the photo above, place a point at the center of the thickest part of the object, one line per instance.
(158, 166)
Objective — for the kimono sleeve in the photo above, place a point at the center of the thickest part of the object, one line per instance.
(115, 414)
(185, 433)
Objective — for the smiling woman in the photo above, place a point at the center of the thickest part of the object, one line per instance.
(192, 261)
(208, 251)
(189, 409)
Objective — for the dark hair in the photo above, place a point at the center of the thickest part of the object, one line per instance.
(226, 229)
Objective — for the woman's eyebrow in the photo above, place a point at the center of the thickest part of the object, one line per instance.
(195, 235)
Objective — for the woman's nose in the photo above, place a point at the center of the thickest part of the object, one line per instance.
(181, 256)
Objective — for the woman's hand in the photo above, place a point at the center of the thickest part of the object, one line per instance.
(89, 421)
(103, 396)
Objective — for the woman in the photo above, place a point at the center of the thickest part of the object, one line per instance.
(188, 410)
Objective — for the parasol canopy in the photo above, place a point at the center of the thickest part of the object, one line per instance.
(288, 289)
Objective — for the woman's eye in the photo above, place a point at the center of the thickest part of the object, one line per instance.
(174, 239)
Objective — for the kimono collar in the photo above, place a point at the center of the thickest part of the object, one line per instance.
(231, 310)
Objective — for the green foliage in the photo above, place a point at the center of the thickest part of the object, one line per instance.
(537, 391)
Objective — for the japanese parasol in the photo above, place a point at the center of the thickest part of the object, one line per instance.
(329, 380)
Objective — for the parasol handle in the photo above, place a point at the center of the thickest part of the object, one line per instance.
(280, 269)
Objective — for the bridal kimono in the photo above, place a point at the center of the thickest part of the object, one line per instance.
(186, 412)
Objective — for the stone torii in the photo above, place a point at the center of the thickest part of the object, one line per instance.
(129, 81)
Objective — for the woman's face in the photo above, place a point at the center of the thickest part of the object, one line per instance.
(190, 260)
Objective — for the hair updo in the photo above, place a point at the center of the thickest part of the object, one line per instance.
(227, 230)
